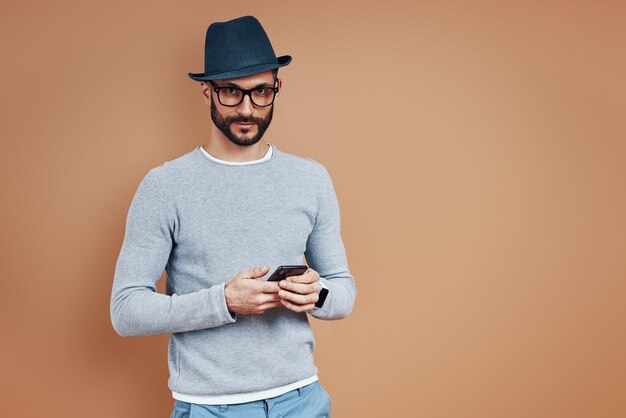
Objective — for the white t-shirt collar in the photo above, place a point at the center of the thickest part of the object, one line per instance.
(267, 156)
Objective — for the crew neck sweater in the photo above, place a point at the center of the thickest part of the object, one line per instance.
(202, 220)
(236, 398)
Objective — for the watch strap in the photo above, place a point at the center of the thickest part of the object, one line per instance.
(322, 296)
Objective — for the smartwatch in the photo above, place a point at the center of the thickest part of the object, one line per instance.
(322, 297)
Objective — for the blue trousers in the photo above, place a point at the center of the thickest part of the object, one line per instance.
(310, 401)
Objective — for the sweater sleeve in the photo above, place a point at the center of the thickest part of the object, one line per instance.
(136, 308)
(325, 253)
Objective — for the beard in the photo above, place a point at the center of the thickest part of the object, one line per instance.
(223, 124)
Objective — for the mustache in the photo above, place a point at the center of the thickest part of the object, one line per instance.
(243, 119)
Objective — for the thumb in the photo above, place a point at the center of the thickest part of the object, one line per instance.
(255, 272)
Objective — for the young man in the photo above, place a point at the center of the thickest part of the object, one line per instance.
(220, 219)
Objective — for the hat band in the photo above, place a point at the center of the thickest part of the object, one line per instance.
(224, 70)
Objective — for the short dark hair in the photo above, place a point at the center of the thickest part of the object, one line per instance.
(275, 72)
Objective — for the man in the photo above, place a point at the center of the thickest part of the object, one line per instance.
(219, 220)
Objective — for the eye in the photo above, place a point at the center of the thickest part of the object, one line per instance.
(261, 91)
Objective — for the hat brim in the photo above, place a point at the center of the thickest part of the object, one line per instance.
(242, 72)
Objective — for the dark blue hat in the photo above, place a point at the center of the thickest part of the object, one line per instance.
(237, 48)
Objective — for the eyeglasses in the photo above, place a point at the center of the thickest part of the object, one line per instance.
(259, 96)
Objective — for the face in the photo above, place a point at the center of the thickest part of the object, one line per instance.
(245, 123)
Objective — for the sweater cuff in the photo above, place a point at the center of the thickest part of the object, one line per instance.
(217, 304)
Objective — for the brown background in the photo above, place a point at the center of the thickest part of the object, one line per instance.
(478, 151)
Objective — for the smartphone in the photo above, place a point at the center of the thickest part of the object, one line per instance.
(283, 272)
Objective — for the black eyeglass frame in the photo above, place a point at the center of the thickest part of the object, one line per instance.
(246, 92)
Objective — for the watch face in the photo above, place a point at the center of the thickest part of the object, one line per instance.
(322, 297)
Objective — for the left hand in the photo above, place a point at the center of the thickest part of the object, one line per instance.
(299, 293)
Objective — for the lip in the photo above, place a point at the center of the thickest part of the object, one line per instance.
(244, 125)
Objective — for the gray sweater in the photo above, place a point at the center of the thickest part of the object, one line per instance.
(202, 222)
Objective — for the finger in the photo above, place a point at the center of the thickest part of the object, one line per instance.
(267, 287)
(270, 305)
(298, 299)
(255, 272)
(309, 276)
(297, 308)
(301, 288)
(267, 298)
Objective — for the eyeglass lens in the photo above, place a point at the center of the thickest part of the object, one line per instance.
(232, 96)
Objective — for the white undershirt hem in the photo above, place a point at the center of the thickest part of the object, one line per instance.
(242, 397)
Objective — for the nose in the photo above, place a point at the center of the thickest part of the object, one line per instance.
(245, 107)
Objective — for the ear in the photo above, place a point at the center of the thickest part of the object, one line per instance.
(280, 86)
(206, 92)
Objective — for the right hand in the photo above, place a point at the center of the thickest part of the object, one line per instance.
(247, 295)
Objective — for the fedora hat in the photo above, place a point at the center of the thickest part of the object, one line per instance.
(237, 48)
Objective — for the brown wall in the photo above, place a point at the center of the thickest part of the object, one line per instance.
(478, 150)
